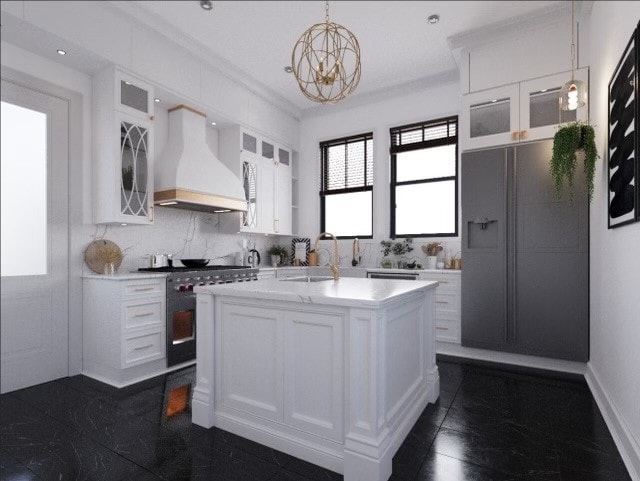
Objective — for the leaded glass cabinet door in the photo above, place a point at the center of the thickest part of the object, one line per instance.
(250, 184)
(135, 170)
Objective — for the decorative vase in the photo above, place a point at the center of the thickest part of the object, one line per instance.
(432, 262)
(312, 258)
(386, 262)
(275, 260)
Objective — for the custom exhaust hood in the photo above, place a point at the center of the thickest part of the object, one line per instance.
(188, 175)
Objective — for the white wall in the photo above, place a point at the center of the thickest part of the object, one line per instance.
(377, 116)
(615, 253)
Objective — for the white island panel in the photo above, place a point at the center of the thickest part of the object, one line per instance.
(333, 372)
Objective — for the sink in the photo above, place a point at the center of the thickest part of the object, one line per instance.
(308, 279)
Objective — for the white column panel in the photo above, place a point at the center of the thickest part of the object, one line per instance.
(313, 373)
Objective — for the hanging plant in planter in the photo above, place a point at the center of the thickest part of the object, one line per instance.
(568, 141)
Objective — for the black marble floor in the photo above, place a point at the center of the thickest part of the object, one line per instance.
(487, 425)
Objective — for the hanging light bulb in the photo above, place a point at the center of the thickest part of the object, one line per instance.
(326, 61)
(573, 94)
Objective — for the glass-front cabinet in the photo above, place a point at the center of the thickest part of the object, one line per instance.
(518, 112)
(490, 117)
(123, 149)
(135, 195)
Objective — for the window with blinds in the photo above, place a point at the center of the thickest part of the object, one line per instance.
(424, 179)
(346, 186)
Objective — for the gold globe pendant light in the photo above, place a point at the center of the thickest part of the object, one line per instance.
(326, 61)
(573, 94)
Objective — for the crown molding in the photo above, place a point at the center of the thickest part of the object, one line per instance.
(510, 27)
(202, 52)
(444, 78)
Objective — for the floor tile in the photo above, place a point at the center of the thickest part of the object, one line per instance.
(438, 467)
(12, 470)
(507, 451)
(488, 424)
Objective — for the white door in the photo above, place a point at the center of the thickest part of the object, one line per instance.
(34, 320)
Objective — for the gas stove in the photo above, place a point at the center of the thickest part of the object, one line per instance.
(195, 269)
(181, 303)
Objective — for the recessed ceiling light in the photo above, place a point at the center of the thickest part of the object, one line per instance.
(156, 100)
(213, 123)
(61, 52)
(544, 90)
(288, 69)
(127, 83)
(206, 5)
(494, 101)
(433, 19)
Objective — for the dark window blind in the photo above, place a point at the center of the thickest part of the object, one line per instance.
(347, 164)
(423, 134)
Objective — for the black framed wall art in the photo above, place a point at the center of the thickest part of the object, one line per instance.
(623, 138)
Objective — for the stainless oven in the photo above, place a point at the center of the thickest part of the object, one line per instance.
(181, 322)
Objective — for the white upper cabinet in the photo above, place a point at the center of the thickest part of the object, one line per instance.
(133, 97)
(123, 149)
(490, 117)
(519, 112)
(265, 170)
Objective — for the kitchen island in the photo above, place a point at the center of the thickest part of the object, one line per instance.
(333, 372)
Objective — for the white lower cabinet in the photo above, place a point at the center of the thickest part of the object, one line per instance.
(448, 305)
(124, 328)
(283, 366)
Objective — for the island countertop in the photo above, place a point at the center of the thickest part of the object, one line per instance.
(347, 291)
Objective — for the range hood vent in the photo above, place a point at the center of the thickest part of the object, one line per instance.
(188, 175)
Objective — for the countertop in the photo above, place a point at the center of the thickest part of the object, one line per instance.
(370, 269)
(124, 276)
(347, 291)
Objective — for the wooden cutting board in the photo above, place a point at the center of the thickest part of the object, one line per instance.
(92, 255)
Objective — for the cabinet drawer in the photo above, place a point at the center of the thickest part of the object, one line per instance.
(143, 348)
(139, 314)
(145, 288)
(447, 331)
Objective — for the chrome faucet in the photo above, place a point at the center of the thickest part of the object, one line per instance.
(335, 267)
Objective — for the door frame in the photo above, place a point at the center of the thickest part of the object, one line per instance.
(76, 175)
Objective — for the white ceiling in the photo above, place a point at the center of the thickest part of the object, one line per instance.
(397, 44)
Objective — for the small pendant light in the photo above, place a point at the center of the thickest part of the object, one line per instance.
(573, 94)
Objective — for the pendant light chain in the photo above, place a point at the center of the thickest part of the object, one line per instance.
(573, 44)
(326, 11)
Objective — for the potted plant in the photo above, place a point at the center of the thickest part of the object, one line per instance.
(278, 255)
(386, 250)
(569, 140)
(432, 250)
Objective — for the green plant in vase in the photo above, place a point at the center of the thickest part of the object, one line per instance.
(570, 139)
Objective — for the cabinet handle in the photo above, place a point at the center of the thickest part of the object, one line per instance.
(442, 302)
(443, 282)
(523, 134)
(515, 135)
(141, 348)
(276, 225)
(152, 117)
(144, 314)
(139, 289)
(442, 328)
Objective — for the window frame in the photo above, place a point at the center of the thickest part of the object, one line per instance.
(367, 136)
(424, 144)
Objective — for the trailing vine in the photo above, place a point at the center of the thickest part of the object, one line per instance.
(569, 139)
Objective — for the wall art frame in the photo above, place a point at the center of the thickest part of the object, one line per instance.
(623, 137)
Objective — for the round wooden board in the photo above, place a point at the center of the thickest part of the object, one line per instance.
(92, 255)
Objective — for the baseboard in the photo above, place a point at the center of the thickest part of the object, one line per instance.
(627, 445)
(523, 360)
(120, 385)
